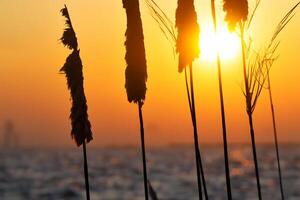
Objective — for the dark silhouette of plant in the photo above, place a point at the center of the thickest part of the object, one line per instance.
(267, 59)
(256, 68)
(226, 159)
(237, 15)
(236, 12)
(188, 33)
(136, 70)
(188, 50)
(189, 30)
(165, 24)
(81, 127)
(152, 192)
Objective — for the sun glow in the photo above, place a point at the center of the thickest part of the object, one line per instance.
(227, 43)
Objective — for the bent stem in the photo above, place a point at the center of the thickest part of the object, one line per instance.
(249, 112)
(140, 104)
(226, 159)
(86, 173)
(275, 137)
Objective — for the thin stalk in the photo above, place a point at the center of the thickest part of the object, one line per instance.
(275, 137)
(255, 156)
(202, 174)
(143, 149)
(249, 112)
(188, 92)
(226, 159)
(196, 143)
(86, 172)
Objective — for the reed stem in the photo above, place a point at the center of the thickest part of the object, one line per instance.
(188, 92)
(200, 171)
(275, 137)
(249, 112)
(86, 173)
(202, 174)
(192, 117)
(196, 145)
(255, 156)
(226, 159)
(143, 149)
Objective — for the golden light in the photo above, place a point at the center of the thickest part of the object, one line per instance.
(227, 43)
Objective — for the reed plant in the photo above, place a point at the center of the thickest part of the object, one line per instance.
(152, 192)
(224, 130)
(81, 126)
(267, 58)
(256, 67)
(184, 42)
(136, 69)
(236, 16)
(188, 50)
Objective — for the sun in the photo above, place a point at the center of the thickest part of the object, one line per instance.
(227, 43)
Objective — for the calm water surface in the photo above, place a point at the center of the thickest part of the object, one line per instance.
(115, 173)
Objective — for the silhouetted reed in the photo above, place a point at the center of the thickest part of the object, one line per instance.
(236, 12)
(152, 192)
(226, 157)
(270, 63)
(188, 33)
(188, 50)
(164, 23)
(81, 127)
(186, 45)
(237, 15)
(256, 70)
(136, 70)
(267, 58)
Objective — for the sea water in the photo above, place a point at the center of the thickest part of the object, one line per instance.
(116, 173)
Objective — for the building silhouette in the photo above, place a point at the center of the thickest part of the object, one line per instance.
(10, 137)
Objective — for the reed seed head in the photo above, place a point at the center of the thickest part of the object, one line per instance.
(81, 126)
(187, 44)
(69, 37)
(136, 70)
(236, 11)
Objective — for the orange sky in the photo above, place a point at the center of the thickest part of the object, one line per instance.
(34, 95)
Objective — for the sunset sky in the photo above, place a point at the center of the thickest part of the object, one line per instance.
(34, 95)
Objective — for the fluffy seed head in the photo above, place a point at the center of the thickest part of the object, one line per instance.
(236, 11)
(187, 44)
(136, 70)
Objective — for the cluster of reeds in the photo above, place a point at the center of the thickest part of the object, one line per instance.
(264, 60)
(256, 74)
(256, 67)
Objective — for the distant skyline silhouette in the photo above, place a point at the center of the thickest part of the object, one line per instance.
(10, 137)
